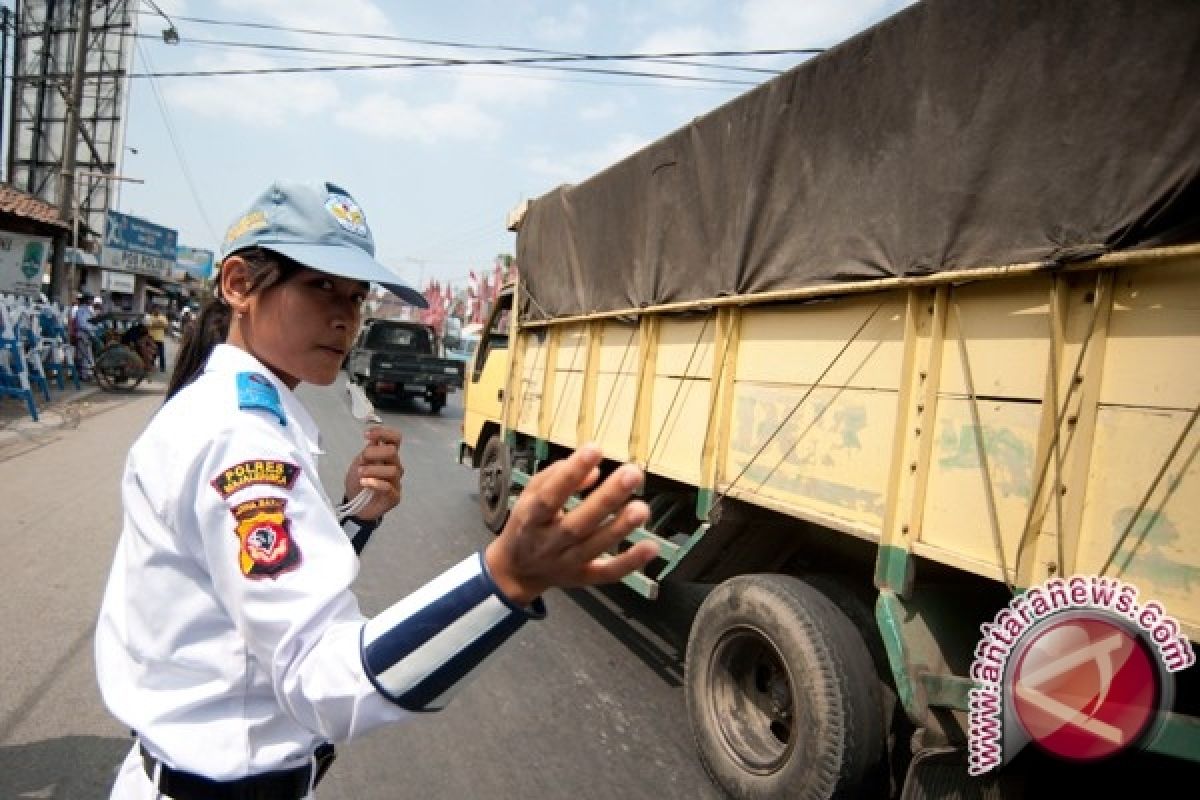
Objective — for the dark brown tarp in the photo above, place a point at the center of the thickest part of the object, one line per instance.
(955, 134)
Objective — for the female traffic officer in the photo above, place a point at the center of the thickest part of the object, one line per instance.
(229, 640)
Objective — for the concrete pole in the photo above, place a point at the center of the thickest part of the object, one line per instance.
(62, 276)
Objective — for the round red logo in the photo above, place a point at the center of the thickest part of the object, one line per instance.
(1085, 687)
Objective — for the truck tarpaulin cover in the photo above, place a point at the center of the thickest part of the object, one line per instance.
(952, 135)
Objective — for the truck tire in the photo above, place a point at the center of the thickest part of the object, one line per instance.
(437, 403)
(782, 693)
(495, 483)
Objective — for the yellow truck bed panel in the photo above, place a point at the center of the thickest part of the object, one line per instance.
(831, 454)
(1159, 519)
(1011, 427)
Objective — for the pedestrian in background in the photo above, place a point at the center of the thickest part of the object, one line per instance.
(73, 334)
(229, 639)
(156, 323)
(84, 333)
(187, 322)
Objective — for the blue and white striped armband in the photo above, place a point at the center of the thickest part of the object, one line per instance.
(419, 651)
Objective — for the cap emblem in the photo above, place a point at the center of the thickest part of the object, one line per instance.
(347, 213)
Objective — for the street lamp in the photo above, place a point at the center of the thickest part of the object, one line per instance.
(170, 34)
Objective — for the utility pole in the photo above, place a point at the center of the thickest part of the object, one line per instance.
(99, 176)
(62, 277)
(5, 19)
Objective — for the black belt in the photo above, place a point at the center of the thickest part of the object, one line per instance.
(284, 784)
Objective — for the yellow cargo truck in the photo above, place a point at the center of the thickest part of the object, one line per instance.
(898, 337)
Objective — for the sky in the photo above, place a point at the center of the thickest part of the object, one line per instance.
(436, 156)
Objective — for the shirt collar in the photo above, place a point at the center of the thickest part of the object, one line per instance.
(227, 358)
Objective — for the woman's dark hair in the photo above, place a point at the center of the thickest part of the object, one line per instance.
(211, 326)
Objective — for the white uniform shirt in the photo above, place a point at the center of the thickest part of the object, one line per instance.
(228, 637)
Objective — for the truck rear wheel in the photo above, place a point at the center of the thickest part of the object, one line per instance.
(782, 693)
(495, 483)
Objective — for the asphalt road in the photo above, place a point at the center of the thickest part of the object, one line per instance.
(585, 704)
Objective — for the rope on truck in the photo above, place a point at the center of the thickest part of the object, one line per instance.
(1060, 417)
(981, 451)
(526, 381)
(812, 387)
(613, 389)
(678, 388)
(1162, 471)
(563, 395)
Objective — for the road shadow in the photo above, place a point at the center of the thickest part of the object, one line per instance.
(412, 406)
(655, 631)
(66, 768)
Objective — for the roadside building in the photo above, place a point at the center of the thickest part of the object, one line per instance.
(29, 229)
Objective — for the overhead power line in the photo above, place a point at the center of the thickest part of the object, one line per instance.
(670, 59)
(183, 165)
(464, 45)
(210, 73)
(544, 59)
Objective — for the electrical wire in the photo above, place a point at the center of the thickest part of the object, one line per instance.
(551, 57)
(473, 45)
(187, 172)
(213, 73)
(543, 58)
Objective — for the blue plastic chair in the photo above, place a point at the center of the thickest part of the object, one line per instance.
(14, 374)
(34, 365)
(14, 379)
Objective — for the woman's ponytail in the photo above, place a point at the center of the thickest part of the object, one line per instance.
(267, 269)
(210, 329)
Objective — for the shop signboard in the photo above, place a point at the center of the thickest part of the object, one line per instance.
(121, 282)
(22, 263)
(135, 245)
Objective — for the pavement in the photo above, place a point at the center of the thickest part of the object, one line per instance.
(60, 515)
(62, 413)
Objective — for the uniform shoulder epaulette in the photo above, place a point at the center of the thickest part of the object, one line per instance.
(255, 391)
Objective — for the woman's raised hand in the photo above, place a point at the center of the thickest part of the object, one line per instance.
(543, 547)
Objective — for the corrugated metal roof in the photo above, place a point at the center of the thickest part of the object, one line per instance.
(14, 201)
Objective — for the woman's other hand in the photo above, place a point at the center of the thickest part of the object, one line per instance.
(377, 467)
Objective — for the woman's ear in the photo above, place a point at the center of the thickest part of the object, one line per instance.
(235, 282)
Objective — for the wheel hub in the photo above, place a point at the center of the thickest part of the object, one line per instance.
(490, 482)
(753, 700)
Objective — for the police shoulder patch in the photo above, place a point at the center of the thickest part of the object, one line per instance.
(255, 391)
(259, 472)
(266, 548)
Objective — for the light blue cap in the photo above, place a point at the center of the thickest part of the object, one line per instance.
(320, 226)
